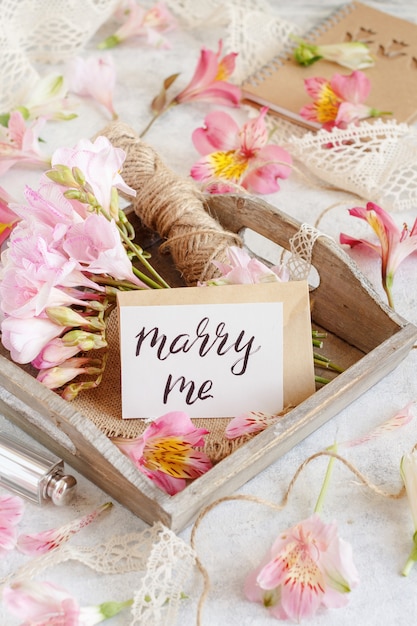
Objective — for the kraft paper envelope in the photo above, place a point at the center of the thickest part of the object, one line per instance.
(215, 351)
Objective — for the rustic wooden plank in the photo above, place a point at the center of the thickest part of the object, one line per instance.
(344, 300)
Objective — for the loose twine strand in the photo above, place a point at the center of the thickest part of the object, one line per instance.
(278, 507)
(173, 207)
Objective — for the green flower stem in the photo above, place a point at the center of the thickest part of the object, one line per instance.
(326, 482)
(412, 558)
(138, 252)
(112, 282)
(150, 124)
(157, 116)
(317, 343)
(110, 609)
(326, 363)
(387, 285)
(147, 280)
(321, 380)
(319, 333)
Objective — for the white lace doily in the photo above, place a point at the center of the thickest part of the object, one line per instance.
(42, 31)
(376, 161)
(164, 561)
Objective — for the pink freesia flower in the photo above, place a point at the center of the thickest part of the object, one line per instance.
(19, 144)
(25, 338)
(94, 77)
(308, 566)
(233, 156)
(100, 163)
(340, 101)
(39, 543)
(137, 22)
(8, 218)
(60, 375)
(249, 423)
(209, 82)
(43, 604)
(166, 452)
(96, 245)
(62, 348)
(65, 258)
(243, 269)
(395, 244)
(49, 207)
(11, 511)
(36, 274)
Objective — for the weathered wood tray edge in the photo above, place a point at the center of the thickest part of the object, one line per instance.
(59, 426)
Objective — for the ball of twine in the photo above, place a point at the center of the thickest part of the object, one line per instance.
(173, 207)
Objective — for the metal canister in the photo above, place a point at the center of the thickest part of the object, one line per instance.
(32, 474)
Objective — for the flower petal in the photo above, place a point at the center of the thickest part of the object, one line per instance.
(268, 167)
(39, 543)
(219, 132)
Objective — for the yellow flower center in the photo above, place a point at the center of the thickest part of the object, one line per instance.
(170, 455)
(327, 105)
(222, 72)
(228, 165)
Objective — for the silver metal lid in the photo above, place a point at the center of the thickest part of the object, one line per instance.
(61, 489)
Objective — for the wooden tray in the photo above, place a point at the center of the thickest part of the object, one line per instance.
(368, 338)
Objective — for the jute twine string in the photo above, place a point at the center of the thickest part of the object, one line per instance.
(172, 206)
(278, 507)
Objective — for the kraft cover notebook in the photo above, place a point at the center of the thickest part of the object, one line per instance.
(392, 42)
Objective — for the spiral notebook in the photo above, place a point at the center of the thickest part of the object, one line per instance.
(391, 40)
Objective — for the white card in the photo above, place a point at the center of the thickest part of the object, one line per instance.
(207, 351)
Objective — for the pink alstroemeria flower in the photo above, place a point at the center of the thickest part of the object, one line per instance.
(19, 144)
(39, 543)
(43, 604)
(94, 77)
(340, 101)
(8, 218)
(11, 511)
(166, 452)
(244, 269)
(234, 156)
(138, 22)
(395, 244)
(209, 81)
(308, 566)
(398, 420)
(249, 423)
(208, 84)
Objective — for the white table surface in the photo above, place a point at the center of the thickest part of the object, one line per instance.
(234, 536)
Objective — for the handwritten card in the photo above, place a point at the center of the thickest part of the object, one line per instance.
(215, 351)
